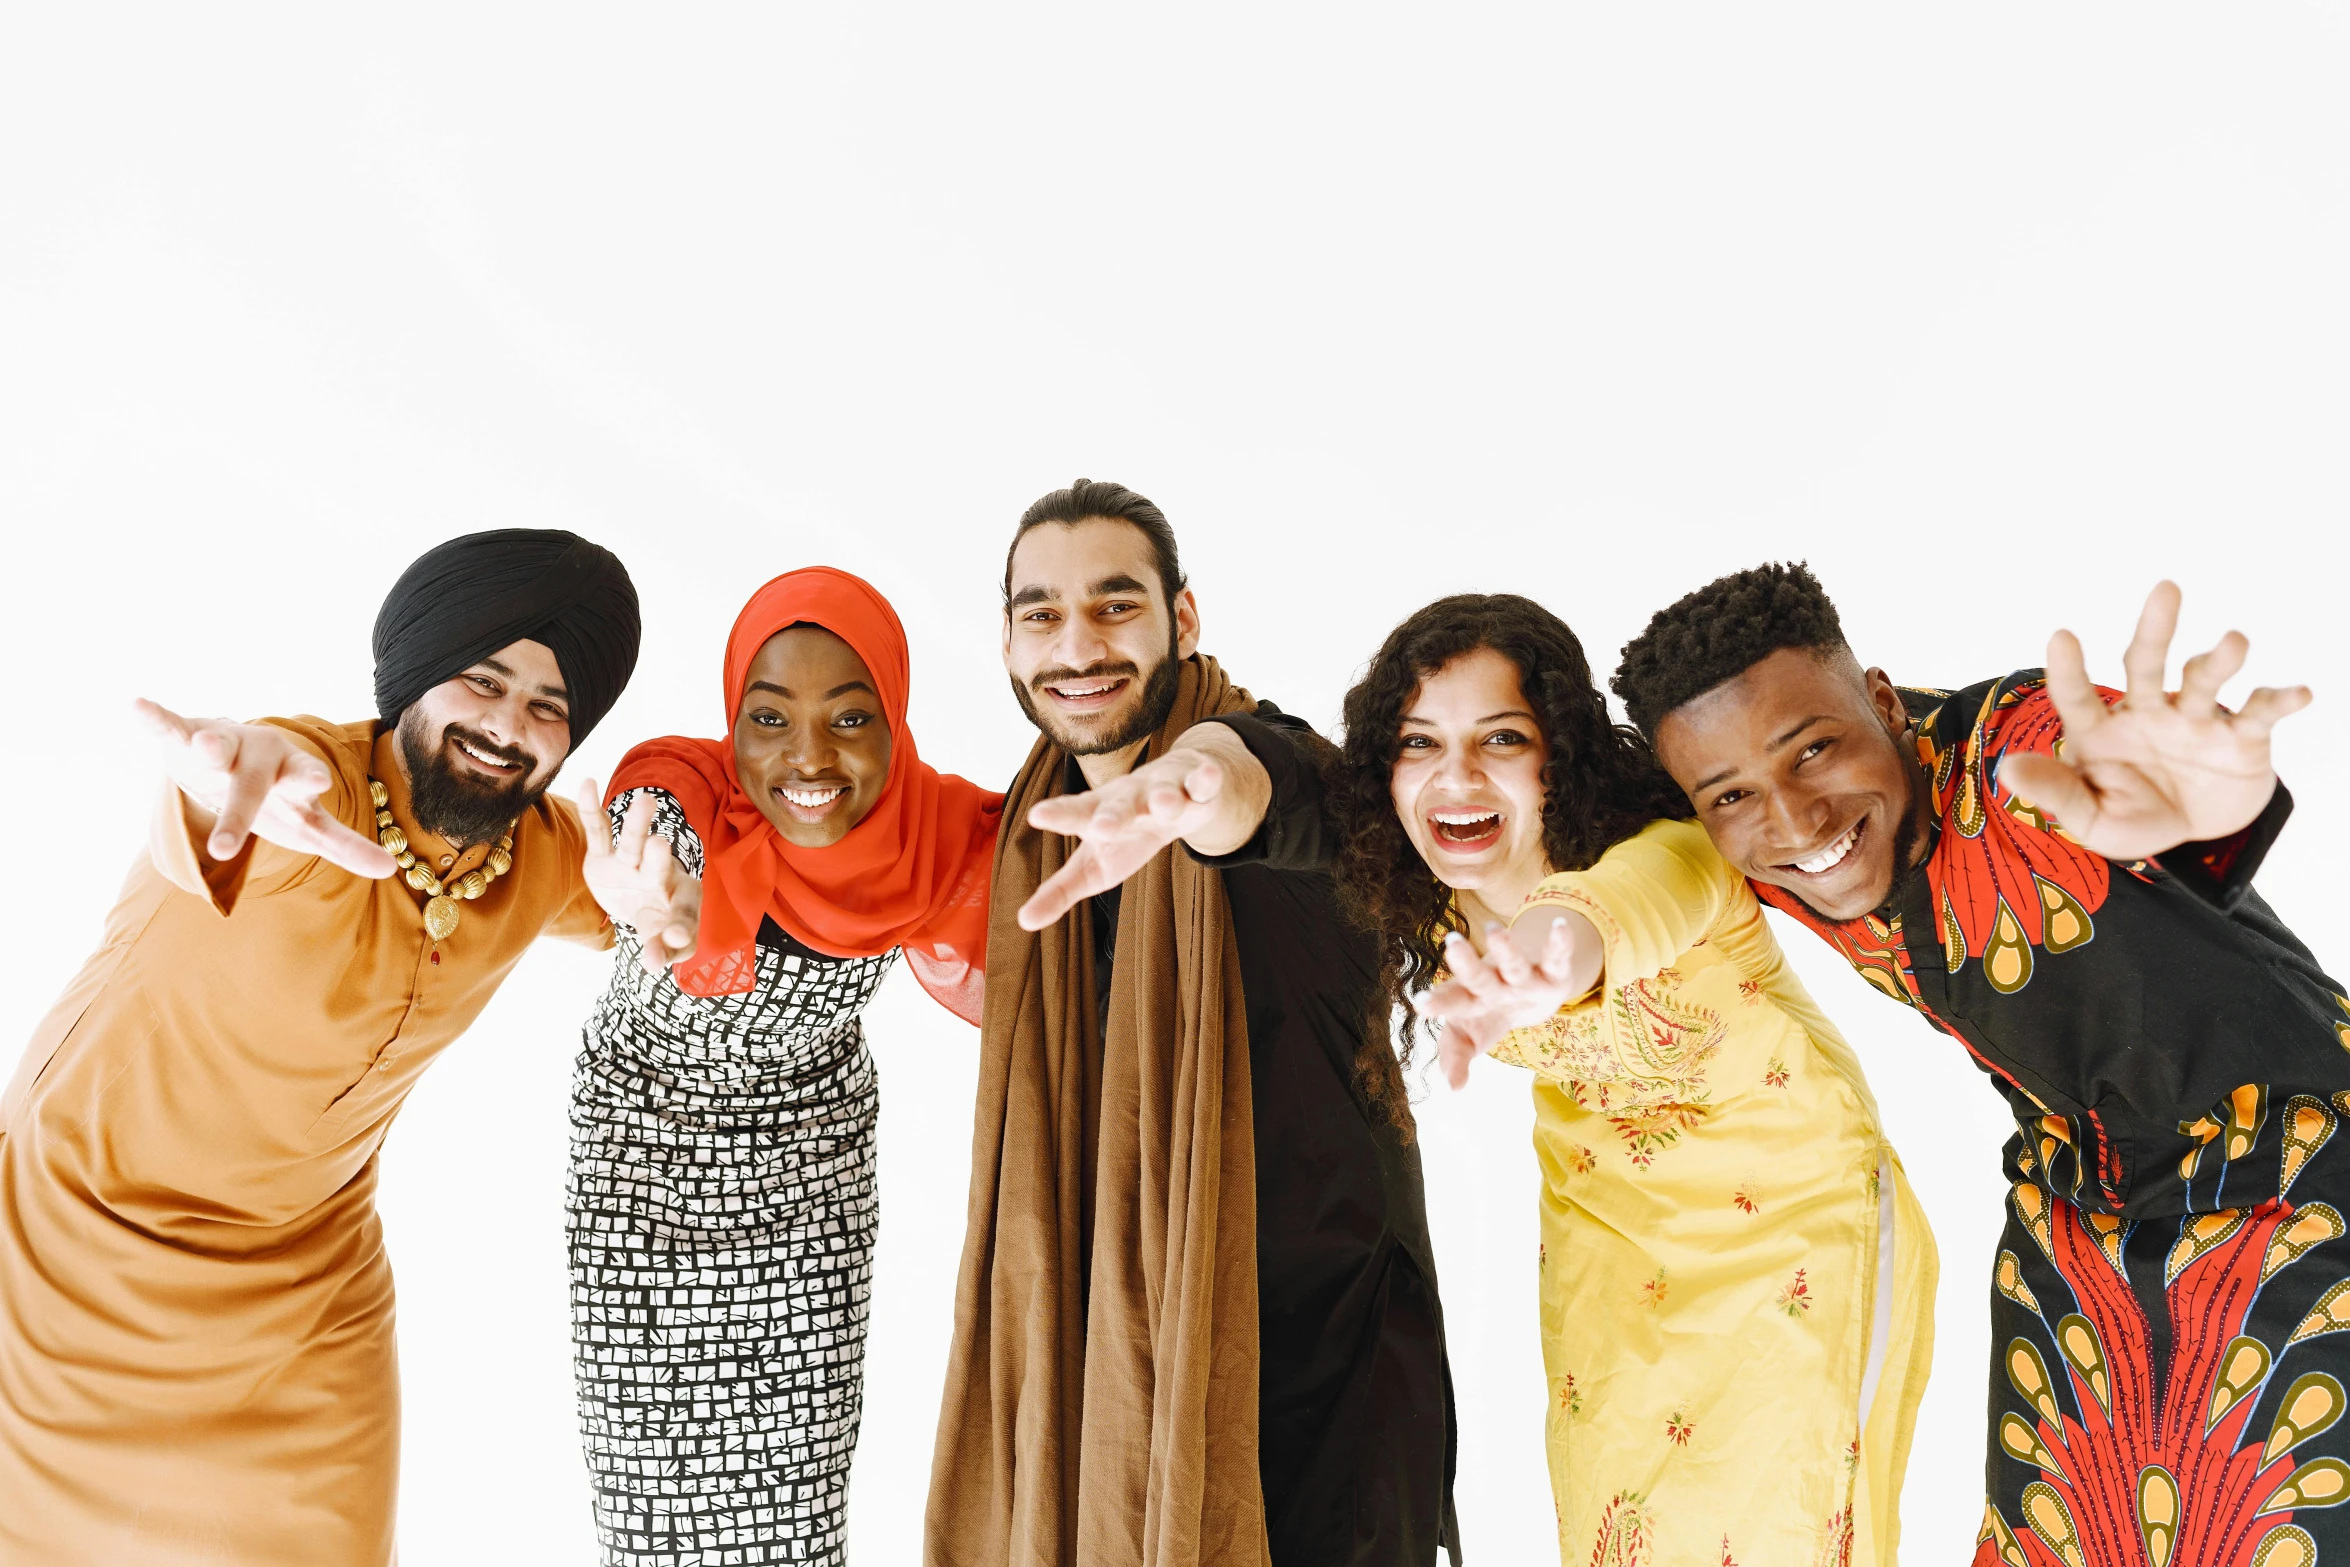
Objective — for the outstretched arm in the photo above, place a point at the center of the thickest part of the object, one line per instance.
(1548, 957)
(1207, 790)
(638, 880)
(2159, 768)
(252, 780)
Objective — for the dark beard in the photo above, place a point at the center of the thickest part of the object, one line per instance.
(453, 806)
(1148, 718)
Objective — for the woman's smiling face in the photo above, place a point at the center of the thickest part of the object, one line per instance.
(811, 744)
(1468, 779)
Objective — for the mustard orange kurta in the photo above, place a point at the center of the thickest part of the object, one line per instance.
(196, 1351)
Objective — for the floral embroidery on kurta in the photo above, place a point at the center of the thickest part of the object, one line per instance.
(1623, 1533)
(1712, 1077)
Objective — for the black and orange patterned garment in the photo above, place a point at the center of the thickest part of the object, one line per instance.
(2173, 1286)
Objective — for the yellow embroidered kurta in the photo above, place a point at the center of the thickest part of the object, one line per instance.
(196, 1355)
(1720, 1307)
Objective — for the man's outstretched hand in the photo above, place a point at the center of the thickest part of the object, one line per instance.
(1208, 789)
(254, 780)
(638, 880)
(2159, 768)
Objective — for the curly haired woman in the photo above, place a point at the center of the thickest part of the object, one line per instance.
(1736, 1282)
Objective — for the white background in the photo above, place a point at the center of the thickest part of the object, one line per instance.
(1995, 316)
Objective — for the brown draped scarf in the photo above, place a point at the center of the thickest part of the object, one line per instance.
(1101, 1402)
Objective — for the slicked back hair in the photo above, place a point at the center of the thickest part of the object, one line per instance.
(1087, 499)
(1718, 633)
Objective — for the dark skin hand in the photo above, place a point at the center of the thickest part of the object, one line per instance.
(811, 744)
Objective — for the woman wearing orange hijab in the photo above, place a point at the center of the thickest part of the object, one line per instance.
(722, 1199)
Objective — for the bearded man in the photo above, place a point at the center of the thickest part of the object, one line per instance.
(2059, 877)
(1197, 1318)
(196, 1347)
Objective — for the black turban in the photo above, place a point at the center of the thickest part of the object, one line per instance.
(463, 600)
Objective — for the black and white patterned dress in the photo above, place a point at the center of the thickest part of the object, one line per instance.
(722, 1215)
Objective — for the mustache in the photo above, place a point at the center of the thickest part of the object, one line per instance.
(1064, 674)
(490, 748)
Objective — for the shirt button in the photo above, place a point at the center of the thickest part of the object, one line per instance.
(448, 859)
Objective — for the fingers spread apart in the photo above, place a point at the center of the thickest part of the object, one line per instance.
(2264, 707)
(2203, 675)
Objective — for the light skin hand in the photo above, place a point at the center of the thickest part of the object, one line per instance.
(2160, 768)
(1208, 790)
(639, 882)
(1547, 958)
(252, 780)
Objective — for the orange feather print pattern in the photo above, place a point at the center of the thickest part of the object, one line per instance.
(2007, 883)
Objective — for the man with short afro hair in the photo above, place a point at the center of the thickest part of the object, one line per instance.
(2060, 878)
(1718, 632)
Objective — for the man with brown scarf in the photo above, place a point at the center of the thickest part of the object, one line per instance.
(1197, 1318)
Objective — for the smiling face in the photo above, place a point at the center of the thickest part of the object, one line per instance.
(1090, 641)
(1800, 772)
(480, 748)
(811, 744)
(1468, 784)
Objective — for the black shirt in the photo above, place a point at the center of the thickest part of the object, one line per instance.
(1356, 1440)
(2147, 1021)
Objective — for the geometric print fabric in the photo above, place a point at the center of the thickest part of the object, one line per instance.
(721, 1220)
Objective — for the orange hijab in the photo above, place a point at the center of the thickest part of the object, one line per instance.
(912, 874)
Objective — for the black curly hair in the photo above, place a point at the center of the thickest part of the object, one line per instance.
(1718, 633)
(1601, 786)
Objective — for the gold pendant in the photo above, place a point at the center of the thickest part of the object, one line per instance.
(440, 917)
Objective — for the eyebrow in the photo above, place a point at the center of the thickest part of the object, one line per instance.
(1778, 744)
(496, 668)
(1116, 582)
(1489, 718)
(842, 689)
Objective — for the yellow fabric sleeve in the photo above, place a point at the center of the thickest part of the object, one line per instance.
(1651, 897)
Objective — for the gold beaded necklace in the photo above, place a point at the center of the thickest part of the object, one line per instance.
(440, 902)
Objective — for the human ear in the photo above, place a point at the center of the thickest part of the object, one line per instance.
(1885, 697)
(1186, 624)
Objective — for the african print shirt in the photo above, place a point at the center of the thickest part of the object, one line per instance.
(2140, 1017)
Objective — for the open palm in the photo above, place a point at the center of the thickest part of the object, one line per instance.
(638, 881)
(2159, 768)
(1121, 827)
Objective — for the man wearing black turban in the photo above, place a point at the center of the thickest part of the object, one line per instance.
(196, 1351)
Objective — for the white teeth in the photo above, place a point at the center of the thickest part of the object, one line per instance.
(1831, 856)
(1463, 818)
(486, 760)
(1079, 693)
(810, 799)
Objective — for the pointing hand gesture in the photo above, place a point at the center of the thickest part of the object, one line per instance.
(2160, 768)
(254, 780)
(639, 882)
